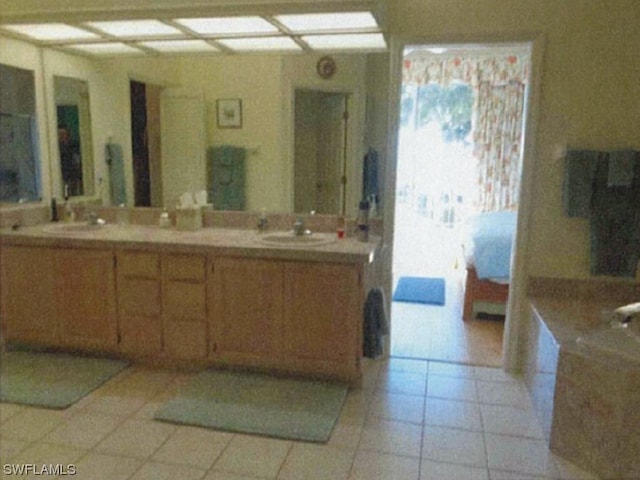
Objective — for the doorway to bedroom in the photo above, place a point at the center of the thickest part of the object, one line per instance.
(459, 154)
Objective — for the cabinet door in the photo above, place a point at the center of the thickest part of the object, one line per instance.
(86, 298)
(323, 317)
(27, 295)
(246, 310)
(139, 302)
(184, 317)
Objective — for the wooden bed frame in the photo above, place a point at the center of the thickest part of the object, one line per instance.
(481, 290)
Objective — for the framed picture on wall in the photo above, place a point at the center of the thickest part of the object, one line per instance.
(229, 111)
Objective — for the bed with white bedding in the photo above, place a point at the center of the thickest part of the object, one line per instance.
(488, 248)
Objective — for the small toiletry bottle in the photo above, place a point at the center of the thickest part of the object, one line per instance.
(165, 220)
(68, 215)
(263, 222)
(340, 227)
(122, 215)
(54, 209)
(363, 221)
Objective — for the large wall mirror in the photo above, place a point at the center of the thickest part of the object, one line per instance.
(20, 179)
(75, 144)
(320, 150)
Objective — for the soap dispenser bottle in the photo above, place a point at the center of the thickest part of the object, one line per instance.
(363, 221)
(68, 213)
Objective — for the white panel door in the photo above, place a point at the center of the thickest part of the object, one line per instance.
(183, 137)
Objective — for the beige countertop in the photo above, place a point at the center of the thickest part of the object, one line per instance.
(219, 241)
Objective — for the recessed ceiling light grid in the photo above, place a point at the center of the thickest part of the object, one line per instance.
(317, 32)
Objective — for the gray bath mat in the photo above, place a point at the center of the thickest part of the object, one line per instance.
(52, 380)
(255, 403)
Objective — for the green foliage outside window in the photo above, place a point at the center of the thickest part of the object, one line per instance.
(449, 106)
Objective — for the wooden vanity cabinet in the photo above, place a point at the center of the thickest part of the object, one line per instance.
(85, 295)
(28, 295)
(322, 321)
(302, 317)
(292, 315)
(246, 307)
(184, 311)
(139, 293)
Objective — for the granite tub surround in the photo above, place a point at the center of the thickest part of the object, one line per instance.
(596, 422)
(586, 398)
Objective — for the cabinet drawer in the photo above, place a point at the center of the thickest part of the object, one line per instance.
(139, 297)
(138, 264)
(185, 267)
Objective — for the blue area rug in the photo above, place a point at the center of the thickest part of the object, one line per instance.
(420, 290)
(288, 408)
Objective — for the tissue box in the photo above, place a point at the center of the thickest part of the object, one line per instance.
(188, 218)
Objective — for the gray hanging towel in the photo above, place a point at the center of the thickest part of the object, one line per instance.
(615, 224)
(375, 325)
(370, 174)
(226, 177)
(579, 175)
(115, 161)
(621, 167)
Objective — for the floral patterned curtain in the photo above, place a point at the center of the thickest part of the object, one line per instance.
(498, 83)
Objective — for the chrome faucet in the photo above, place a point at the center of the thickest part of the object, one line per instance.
(263, 222)
(93, 219)
(298, 227)
(622, 316)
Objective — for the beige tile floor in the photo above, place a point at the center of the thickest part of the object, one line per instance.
(411, 419)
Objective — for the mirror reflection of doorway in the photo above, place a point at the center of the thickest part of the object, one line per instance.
(145, 144)
(320, 132)
(69, 145)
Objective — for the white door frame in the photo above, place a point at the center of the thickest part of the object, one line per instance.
(518, 306)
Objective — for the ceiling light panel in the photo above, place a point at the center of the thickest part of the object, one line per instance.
(136, 28)
(51, 31)
(256, 44)
(111, 48)
(179, 46)
(357, 41)
(220, 26)
(327, 22)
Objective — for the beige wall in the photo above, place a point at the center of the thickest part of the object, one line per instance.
(590, 94)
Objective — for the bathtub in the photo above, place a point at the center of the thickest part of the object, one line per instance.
(619, 341)
(584, 377)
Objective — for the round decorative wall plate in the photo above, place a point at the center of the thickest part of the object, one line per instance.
(326, 67)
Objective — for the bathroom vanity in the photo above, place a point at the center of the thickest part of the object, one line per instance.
(212, 296)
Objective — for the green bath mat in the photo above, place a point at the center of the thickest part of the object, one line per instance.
(253, 403)
(52, 380)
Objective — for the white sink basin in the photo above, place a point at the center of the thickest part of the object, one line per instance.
(72, 228)
(288, 238)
